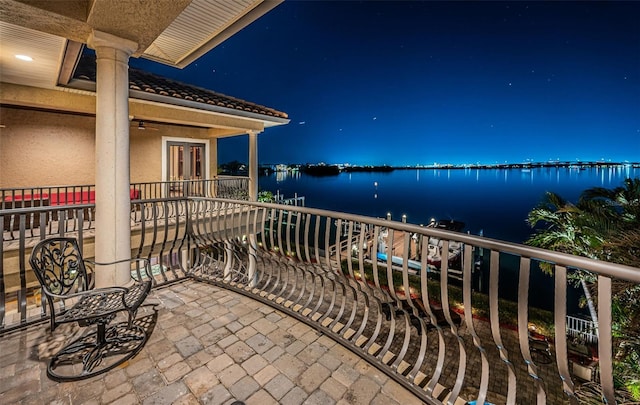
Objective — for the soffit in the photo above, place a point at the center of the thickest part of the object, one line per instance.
(196, 27)
(46, 50)
(173, 32)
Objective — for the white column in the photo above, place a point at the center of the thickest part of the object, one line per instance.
(253, 165)
(253, 196)
(113, 206)
(213, 154)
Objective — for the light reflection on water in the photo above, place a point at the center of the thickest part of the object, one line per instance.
(492, 200)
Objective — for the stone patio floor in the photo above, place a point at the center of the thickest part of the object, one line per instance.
(209, 346)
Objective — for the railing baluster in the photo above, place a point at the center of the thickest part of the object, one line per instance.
(468, 315)
(22, 294)
(408, 300)
(560, 310)
(495, 325)
(523, 331)
(3, 300)
(424, 286)
(444, 290)
(605, 343)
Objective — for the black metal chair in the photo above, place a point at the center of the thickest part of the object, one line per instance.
(61, 270)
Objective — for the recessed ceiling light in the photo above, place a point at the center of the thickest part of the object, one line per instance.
(25, 58)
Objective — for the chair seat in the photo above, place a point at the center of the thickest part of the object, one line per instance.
(91, 308)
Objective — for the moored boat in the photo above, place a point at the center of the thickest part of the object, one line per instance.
(435, 246)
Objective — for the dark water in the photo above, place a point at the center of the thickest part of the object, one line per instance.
(494, 202)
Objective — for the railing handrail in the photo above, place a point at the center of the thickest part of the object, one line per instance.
(230, 176)
(46, 187)
(219, 178)
(597, 266)
(224, 177)
(46, 208)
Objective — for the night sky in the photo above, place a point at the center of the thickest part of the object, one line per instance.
(406, 83)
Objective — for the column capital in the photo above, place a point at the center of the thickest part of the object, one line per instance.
(254, 132)
(99, 39)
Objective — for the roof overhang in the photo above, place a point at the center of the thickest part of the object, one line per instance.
(221, 122)
(172, 32)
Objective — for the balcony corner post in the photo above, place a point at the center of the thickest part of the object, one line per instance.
(253, 165)
(112, 196)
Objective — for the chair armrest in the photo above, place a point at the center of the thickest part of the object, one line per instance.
(146, 266)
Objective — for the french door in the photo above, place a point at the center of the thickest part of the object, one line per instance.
(186, 161)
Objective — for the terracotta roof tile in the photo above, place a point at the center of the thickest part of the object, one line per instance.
(150, 83)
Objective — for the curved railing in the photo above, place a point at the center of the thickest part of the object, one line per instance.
(427, 329)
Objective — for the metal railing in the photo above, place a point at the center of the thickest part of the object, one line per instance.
(57, 197)
(432, 333)
(46, 195)
(232, 187)
(295, 200)
(582, 329)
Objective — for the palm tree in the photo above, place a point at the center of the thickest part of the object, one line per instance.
(567, 228)
(624, 200)
(604, 224)
(623, 246)
(623, 203)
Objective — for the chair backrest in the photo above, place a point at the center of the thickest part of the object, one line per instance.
(58, 265)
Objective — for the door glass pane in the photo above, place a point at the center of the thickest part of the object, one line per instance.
(196, 162)
(176, 168)
(176, 162)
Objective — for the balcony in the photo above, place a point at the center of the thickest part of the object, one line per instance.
(209, 345)
(227, 271)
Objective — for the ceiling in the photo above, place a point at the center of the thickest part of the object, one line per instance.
(173, 32)
(46, 50)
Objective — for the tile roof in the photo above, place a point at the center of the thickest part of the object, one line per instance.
(150, 83)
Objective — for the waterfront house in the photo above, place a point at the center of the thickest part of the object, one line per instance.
(255, 302)
(83, 128)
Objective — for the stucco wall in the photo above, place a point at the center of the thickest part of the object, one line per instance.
(45, 149)
(39, 148)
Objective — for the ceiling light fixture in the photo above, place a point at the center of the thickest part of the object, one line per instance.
(24, 58)
(143, 127)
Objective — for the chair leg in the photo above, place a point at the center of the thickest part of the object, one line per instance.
(94, 354)
(101, 334)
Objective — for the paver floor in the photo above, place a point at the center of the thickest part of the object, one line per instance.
(210, 346)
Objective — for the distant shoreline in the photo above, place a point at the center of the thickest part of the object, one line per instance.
(332, 170)
(536, 165)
